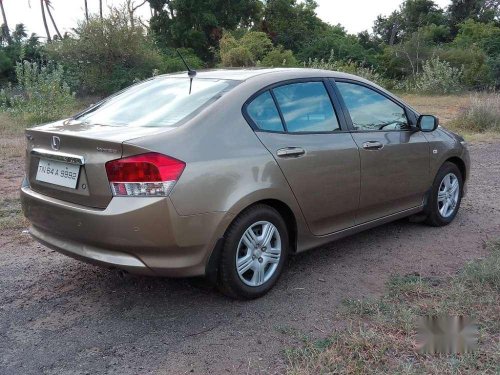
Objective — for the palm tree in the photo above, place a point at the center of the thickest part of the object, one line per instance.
(48, 5)
(19, 33)
(5, 26)
(86, 11)
(45, 21)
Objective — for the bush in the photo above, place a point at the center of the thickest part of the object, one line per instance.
(346, 47)
(482, 115)
(350, 67)
(106, 55)
(171, 62)
(258, 43)
(41, 95)
(238, 56)
(279, 57)
(253, 48)
(437, 77)
(474, 63)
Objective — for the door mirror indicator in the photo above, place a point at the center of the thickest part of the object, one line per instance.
(427, 123)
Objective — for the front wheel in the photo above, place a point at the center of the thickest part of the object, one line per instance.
(446, 196)
(254, 252)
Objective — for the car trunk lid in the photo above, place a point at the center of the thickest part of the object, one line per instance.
(73, 147)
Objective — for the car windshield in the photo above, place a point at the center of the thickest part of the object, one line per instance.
(159, 102)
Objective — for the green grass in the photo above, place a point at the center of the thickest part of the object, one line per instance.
(381, 333)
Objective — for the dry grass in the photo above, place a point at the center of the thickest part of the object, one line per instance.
(446, 107)
(453, 110)
(482, 115)
(381, 334)
(11, 216)
(11, 137)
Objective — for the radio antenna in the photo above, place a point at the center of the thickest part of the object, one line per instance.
(191, 72)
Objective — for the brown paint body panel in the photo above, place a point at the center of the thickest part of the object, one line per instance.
(325, 180)
(395, 177)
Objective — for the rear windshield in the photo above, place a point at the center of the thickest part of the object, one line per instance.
(159, 102)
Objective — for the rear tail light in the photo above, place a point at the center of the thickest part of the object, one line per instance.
(146, 175)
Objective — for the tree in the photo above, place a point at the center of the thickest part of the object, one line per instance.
(479, 10)
(484, 35)
(411, 15)
(19, 33)
(48, 5)
(389, 28)
(86, 11)
(21, 48)
(45, 21)
(336, 41)
(131, 8)
(419, 13)
(199, 24)
(292, 24)
(100, 9)
(5, 26)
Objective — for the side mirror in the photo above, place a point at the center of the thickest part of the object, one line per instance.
(427, 123)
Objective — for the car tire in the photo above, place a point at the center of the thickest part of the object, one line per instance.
(254, 253)
(444, 202)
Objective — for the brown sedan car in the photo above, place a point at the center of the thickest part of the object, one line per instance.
(228, 172)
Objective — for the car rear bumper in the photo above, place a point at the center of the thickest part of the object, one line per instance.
(140, 235)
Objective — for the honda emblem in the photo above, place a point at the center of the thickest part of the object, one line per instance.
(56, 143)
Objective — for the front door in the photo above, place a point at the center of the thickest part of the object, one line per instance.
(394, 157)
(298, 124)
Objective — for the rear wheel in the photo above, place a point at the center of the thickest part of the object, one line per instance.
(446, 196)
(255, 250)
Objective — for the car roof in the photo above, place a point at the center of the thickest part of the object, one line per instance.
(243, 74)
(272, 75)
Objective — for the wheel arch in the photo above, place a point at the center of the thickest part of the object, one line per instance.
(287, 214)
(460, 164)
(284, 209)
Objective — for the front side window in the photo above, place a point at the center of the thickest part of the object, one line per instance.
(370, 110)
(306, 107)
(159, 102)
(264, 113)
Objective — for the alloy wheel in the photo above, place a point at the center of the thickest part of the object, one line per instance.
(448, 194)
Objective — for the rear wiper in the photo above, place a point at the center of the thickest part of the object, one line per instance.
(86, 111)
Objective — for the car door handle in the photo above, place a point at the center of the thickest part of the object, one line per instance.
(373, 145)
(290, 151)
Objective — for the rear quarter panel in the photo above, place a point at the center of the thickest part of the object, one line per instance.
(227, 167)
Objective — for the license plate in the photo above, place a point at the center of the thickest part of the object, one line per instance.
(58, 173)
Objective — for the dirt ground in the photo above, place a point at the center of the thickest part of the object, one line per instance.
(60, 316)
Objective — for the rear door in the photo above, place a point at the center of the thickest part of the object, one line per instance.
(297, 122)
(394, 157)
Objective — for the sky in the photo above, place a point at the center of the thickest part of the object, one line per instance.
(354, 15)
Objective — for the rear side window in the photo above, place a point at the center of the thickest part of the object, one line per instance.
(306, 107)
(159, 102)
(370, 110)
(264, 113)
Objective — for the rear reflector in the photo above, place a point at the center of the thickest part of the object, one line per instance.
(150, 175)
